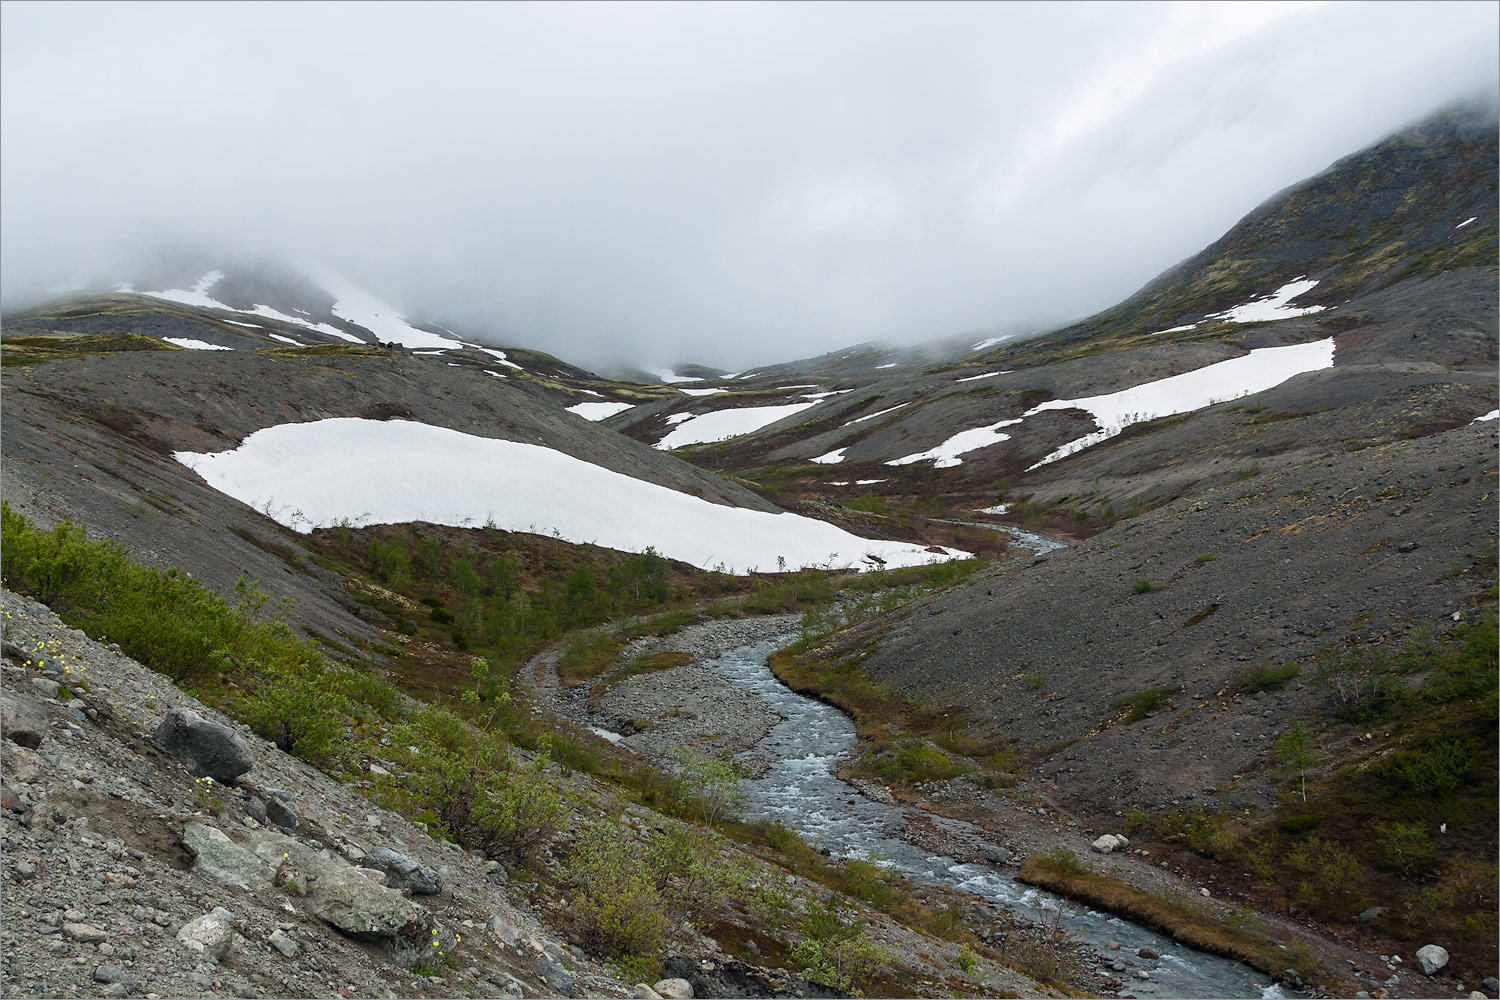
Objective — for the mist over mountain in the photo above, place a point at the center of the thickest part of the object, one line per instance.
(724, 185)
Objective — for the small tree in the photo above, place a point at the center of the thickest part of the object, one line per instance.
(1294, 748)
(710, 785)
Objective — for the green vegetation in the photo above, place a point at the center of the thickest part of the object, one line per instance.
(1265, 677)
(1185, 921)
(1401, 812)
(1206, 557)
(1145, 586)
(1294, 749)
(36, 350)
(629, 892)
(467, 785)
(836, 950)
(1137, 706)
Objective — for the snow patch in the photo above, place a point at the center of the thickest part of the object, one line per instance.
(832, 458)
(998, 509)
(1182, 329)
(869, 482)
(359, 307)
(328, 328)
(991, 342)
(700, 392)
(1273, 306)
(975, 378)
(678, 418)
(599, 411)
(872, 416)
(284, 340)
(1257, 371)
(500, 357)
(1472, 218)
(893, 364)
(195, 345)
(496, 374)
(318, 473)
(429, 353)
(195, 296)
(721, 425)
(1492, 415)
(670, 377)
(945, 455)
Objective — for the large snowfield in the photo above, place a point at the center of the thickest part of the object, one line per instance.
(321, 473)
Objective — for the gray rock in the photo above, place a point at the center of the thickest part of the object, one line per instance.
(358, 906)
(1431, 957)
(402, 872)
(223, 859)
(114, 974)
(23, 718)
(1292, 978)
(206, 749)
(282, 942)
(1108, 843)
(1147, 952)
(209, 935)
(118, 990)
(674, 989)
(557, 977)
(280, 810)
(1491, 984)
(505, 931)
(996, 855)
(86, 933)
(1371, 914)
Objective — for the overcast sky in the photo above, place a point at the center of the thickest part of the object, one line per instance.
(732, 184)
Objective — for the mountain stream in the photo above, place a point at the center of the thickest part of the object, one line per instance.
(801, 788)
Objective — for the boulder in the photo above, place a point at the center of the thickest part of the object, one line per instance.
(210, 935)
(557, 977)
(402, 872)
(206, 749)
(221, 858)
(1147, 951)
(84, 933)
(1371, 914)
(504, 930)
(674, 989)
(282, 942)
(1430, 958)
(23, 719)
(23, 765)
(643, 992)
(1107, 844)
(353, 904)
(280, 810)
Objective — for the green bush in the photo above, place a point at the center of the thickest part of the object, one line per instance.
(468, 784)
(1407, 848)
(618, 907)
(299, 714)
(911, 761)
(1433, 769)
(836, 950)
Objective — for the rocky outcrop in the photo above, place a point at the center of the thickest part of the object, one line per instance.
(206, 749)
(221, 858)
(1109, 843)
(337, 894)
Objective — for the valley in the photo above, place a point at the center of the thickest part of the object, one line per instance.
(834, 677)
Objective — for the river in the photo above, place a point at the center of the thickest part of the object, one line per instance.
(802, 789)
